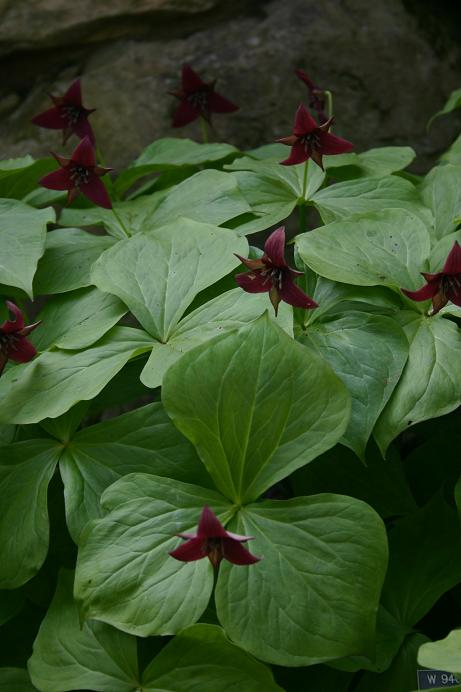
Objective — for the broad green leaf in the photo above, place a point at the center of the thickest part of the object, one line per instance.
(387, 248)
(11, 166)
(367, 195)
(368, 352)
(290, 179)
(19, 178)
(69, 255)
(453, 154)
(202, 658)
(22, 242)
(440, 252)
(125, 575)
(441, 192)
(158, 274)
(143, 440)
(228, 311)
(424, 561)
(71, 656)
(77, 319)
(315, 595)
(64, 427)
(401, 676)
(430, 383)
(266, 406)
(25, 473)
(171, 152)
(53, 382)
(453, 102)
(15, 680)
(374, 163)
(270, 202)
(444, 654)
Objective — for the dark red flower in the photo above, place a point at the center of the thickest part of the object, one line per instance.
(317, 98)
(68, 115)
(13, 342)
(79, 174)
(443, 286)
(271, 273)
(198, 98)
(312, 141)
(213, 541)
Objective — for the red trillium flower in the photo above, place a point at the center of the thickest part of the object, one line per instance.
(213, 541)
(443, 286)
(80, 174)
(68, 115)
(312, 141)
(198, 98)
(316, 95)
(13, 338)
(271, 273)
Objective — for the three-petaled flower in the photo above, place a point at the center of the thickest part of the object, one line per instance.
(13, 338)
(68, 114)
(213, 541)
(80, 174)
(317, 98)
(312, 141)
(442, 286)
(198, 99)
(271, 273)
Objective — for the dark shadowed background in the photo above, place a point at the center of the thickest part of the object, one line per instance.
(390, 64)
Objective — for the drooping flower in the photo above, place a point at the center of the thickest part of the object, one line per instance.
(213, 541)
(13, 338)
(198, 98)
(443, 286)
(80, 174)
(68, 115)
(271, 273)
(312, 141)
(317, 98)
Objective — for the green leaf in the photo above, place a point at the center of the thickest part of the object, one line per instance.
(375, 163)
(441, 192)
(387, 248)
(77, 319)
(19, 178)
(443, 654)
(429, 386)
(266, 406)
(424, 561)
(320, 579)
(367, 195)
(270, 202)
(228, 311)
(125, 575)
(289, 179)
(22, 242)
(170, 153)
(453, 154)
(453, 102)
(185, 257)
(202, 658)
(143, 440)
(66, 265)
(68, 656)
(368, 352)
(53, 382)
(26, 470)
(15, 680)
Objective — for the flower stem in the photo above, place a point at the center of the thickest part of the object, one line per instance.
(204, 128)
(302, 205)
(120, 222)
(329, 103)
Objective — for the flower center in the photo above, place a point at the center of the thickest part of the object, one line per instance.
(8, 341)
(79, 175)
(274, 275)
(310, 141)
(450, 283)
(71, 114)
(213, 548)
(198, 99)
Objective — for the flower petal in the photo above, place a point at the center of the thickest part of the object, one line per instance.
(185, 114)
(274, 247)
(82, 128)
(189, 551)
(73, 95)
(304, 122)
(95, 191)
(453, 261)
(298, 154)
(219, 104)
(20, 350)
(293, 295)
(190, 80)
(17, 323)
(237, 554)
(57, 180)
(209, 525)
(423, 293)
(51, 119)
(331, 144)
(253, 282)
(250, 263)
(83, 154)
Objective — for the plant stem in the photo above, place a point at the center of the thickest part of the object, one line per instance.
(204, 128)
(329, 103)
(120, 222)
(302, 206)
